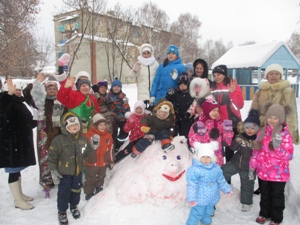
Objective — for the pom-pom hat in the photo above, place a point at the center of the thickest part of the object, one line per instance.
(208, 105)
(222, 69)
(116, 82)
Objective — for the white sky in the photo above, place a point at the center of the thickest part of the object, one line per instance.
(232, 20)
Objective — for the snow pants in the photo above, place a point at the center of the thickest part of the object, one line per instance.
(95, 176)
(69, 190)
(272, 202)
(247, 186)
(200, 214)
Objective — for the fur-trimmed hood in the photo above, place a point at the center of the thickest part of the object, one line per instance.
(278, 86)
(201, 92)
(164, 101)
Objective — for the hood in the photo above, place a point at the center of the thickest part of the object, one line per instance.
(63, 120)
(146, 45)
(164, 101)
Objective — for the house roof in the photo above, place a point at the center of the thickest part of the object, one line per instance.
(256, 55)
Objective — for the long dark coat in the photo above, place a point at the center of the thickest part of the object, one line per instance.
(16, 135)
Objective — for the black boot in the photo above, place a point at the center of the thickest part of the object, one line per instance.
(75, 212)
(98, 189)
(88, 196)
(62, 218)
(257, 191)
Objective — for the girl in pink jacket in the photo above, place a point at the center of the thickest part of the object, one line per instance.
(209, 128)
(272, 152)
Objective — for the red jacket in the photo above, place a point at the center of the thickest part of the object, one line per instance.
(73, 98)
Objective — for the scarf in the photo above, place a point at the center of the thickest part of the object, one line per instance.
(146, 61)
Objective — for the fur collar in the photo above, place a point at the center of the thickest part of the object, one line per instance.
(275, 87)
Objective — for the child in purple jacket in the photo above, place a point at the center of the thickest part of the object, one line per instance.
(272, 152)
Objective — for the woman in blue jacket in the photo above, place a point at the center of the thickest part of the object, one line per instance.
(166, 75)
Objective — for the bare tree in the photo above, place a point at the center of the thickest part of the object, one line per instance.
(294, 44)
(16, 17)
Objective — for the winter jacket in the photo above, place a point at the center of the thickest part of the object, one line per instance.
(16, 135)
(145, 76)
(84, 106)
(282, 94)
(118, 102)
(133, 126)
(242, 146)
(67, 151)
(273, 165)
(224, 138)
(163, 79)
(230, 103)
(204, 183)
(181, 101)
(104, 153)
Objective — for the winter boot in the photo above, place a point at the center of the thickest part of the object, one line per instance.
(261, 219)
(134, 152)
(62, 218)
(166, 145)
(88, 196)
(98, 189)
(75, 212)
(24, 197)
(246, 208)
(16, 192)
(257, 191)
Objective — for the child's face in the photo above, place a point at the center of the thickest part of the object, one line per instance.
(102, 90)
(250, 131)
(205, 160)
(116, 89)
(73, 129)
(162, 114)
(214, 114)
(139, 111)
(102, 127)
(272, 121)
(172, 56)
(183, 87)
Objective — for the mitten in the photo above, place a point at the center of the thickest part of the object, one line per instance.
(171, 91)
(64, 61)
(199, 128)
(192, 203)
(145, 129)
(56, 176)
(151, 101)
(97, 95)
(174, 74)
(227, 125)
(137, 66)
(276, 140)
(95, 141)
(230, 193)
(251, 174)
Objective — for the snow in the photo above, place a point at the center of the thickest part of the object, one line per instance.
(137, 193)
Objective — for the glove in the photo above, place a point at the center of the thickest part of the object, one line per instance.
(174, 74)
(199, 128)
(56, 176)
(145, 129)
(192, 203)
(171, 91)
(227, 125)
(151, 101)
(137, 66)
(95, 141)
(251, 174)
(230, 193)
(276, 140)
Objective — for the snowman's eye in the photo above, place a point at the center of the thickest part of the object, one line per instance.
(178, 157)
(164, 157)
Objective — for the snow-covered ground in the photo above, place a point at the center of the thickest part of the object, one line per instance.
(127, 200)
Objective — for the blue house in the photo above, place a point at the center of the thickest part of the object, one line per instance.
(247, 63)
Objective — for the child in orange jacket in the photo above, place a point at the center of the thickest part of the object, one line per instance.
(102, 142)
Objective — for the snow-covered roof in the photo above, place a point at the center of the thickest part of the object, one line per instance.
(249, 55)
(69, 17)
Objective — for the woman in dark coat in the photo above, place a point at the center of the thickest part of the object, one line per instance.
(16, 141)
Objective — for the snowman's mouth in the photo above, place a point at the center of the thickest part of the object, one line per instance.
(170, 178)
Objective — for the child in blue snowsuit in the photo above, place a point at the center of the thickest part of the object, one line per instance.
(204, 180)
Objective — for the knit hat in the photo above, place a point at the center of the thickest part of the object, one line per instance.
(51, 84)
(173, 49)
(141, 104)
(116, 82)
(102, 83)
(82, 74)
(252, 120)
(97, 119)
(184, 79)
(189, 67)
(206, 149)
(71, 120)
(222, 69)
(208, 105)
(146, 49)
(82, 81)
(275, 67)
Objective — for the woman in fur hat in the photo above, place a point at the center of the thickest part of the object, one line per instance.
(144, 71)
(273, 149)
